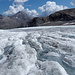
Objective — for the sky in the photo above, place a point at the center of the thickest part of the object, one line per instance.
(34, 8)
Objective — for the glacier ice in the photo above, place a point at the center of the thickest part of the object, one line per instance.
(38, 51)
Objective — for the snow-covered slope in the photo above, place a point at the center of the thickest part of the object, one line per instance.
(38, 51)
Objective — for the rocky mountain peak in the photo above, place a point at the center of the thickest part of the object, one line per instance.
(20, 15)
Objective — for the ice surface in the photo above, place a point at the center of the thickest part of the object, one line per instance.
(38, 51)
(70, 60)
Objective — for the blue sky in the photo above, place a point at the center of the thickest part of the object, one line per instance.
(34, 7)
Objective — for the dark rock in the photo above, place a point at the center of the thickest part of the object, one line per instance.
(57, 18)
(36, 21)
(63, 15)
(21, 19)
(16, 21)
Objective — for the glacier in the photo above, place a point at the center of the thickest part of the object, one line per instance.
(48, 50)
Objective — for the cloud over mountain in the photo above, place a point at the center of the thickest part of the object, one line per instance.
(47, 9)
(32, 13)
(50, 7)
(14, 9)
(18, 6)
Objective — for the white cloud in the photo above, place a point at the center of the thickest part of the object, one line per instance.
(73, 2)
(18, 6)
(20, 1)
(14, 9)
(32, 13)
(47, 9)
(51, 7)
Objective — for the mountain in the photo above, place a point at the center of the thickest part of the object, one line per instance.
(36, 21)
(57, 18)
(63, 15)
(6, 22)
(16, 21)
(1, 16)
(21, 19)
(20, 16)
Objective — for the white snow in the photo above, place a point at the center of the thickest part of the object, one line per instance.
(38, 51)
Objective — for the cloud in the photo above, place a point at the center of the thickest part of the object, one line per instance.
(73, 2)
(18, 6)
(50, 7)
(32, 13)
(47, 9)
(14, 9)
(20, 1)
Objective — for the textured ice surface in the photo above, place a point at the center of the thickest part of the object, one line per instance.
(38, 51)
(70, 60)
